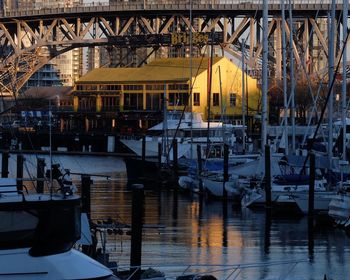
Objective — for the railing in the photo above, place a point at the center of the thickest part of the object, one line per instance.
(152, 5)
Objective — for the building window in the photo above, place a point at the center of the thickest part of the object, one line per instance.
(133, 87)
(215, 99)
(233, 99)
(178, 87)
(87, 103)
(155, 87)
(133, 101)
(196, 99)
(153, 101)
(178, 99)
(110, 103)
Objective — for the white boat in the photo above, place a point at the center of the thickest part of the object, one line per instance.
(37, 234)
(181, 128)
(189, 183)
(322, 200)
(215, 186)
(339, 208)
(282, 192)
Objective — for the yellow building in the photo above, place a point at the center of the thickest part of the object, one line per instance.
(142, 89)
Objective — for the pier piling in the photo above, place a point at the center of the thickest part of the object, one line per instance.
(159, 155)
(267, 176)
(226, 151)
(5, 164)
(199, 169)
(312, 185)
(143, 148)
(20, 161)
(86, 195)
(40, 171)
(86, 203)
(136, 230)
(175, 154)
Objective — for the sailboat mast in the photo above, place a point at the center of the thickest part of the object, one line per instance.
(330, 78)
(222, 108)
(165, 125)
(243, 95)
(292, 78)
(50, 143)
(209, 89)
(343, 97)
(191, 86)
(264, 76)
(285, 95)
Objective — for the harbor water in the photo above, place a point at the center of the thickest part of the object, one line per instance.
(182, 229)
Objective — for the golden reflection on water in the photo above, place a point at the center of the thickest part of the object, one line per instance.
(187, 229)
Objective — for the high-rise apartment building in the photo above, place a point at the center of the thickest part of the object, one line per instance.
(69, 65)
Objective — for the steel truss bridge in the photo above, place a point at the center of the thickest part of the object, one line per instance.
(30, 38)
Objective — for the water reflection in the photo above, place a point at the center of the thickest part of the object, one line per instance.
(196, 230)
(190, 229)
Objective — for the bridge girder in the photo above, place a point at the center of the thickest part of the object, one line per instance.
(34, 41)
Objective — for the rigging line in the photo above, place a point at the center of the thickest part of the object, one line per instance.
(209, 91)
(303, 65)
(310, 145)
(318, 96)
(185, 106)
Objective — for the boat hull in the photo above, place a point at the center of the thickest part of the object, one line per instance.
(216, 188)
(18, 264)
(339, 208)
(148, 173)
(321, 201)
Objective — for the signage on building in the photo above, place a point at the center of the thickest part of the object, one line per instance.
(169, 39)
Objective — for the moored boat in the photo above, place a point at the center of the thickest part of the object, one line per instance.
(37, 234)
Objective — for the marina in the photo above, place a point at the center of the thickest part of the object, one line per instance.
(200, 140)
(191, 233)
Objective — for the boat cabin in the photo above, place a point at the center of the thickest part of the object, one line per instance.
(47, 224)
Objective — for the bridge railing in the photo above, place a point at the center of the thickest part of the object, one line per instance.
(145, 3)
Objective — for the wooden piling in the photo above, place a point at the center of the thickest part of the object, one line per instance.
(86, 204)
(20, 161)
(86, 195)
(175, 155)
(226, 152)
(312, 184)
(5, 164)
(136, 230)
(143, 148)
(40, 171)
(199, 169)
(267, 176)
(160, 154)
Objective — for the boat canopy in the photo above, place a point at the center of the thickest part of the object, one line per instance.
(48, 224)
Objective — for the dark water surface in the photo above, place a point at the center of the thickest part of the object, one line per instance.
(184, 229)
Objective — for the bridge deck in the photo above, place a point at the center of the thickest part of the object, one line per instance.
(232, 7)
